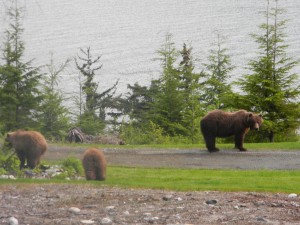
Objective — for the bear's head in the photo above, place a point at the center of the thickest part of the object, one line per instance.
(254, 121)
(9, 140)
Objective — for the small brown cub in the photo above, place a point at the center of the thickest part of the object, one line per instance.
(29, 146)
(94, 164)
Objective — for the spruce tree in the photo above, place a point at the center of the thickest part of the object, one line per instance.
(218, 69)
(93, 118)
(19, 81)
(54, 118)
(191, 89)
(272, 88)
(168, 105)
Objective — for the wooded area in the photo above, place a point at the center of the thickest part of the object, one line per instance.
(170, 108)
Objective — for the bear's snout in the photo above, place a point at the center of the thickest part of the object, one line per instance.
(256, 126)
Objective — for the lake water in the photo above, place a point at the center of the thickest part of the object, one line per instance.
(128, 33)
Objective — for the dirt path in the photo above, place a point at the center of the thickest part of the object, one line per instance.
(228, 159)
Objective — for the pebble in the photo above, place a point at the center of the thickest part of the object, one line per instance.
(293, 195)
(13, 221)
(106, 220)
(211, 202)
(110, 207)
(167, 197)
(74, 210)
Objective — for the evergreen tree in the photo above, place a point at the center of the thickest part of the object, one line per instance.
(19, 81)
(272, 88)
(168, 106)
(191, 88)
(218, 70)
(93, 118)
(54, 117)
(88, 68)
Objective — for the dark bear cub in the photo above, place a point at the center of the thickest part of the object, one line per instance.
(94, 164)
(29, 146)
(218, 123)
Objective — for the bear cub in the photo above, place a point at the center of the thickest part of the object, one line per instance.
(29, 146)
(94, 164)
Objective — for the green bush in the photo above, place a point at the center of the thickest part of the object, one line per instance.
(72, 167)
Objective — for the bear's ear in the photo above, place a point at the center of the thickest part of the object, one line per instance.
(260, 115)
(249, 116)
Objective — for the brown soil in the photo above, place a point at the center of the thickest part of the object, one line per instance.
(50, 204)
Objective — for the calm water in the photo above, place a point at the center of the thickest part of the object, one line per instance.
(127, 33)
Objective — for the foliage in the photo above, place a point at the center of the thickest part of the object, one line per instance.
(192, 91)
(9, 163)
(272, 88)
(19, 81)
(168, 106)
(218, 69)
(95, 104)
(72, 167)
(150, 133)
(54, 118)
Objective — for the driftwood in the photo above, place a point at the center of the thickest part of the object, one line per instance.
(75, 134)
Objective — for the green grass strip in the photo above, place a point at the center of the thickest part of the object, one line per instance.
(200, 179)
(191, 180)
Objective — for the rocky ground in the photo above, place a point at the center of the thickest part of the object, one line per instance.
(88, 204)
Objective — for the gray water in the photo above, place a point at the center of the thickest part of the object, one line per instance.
(128, 33)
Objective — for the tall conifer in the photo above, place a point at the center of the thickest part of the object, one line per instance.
(272, 88)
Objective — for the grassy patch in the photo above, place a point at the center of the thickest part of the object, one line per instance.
(199, 179)
(192, 180)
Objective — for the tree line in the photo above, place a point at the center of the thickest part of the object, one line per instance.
(170, 108)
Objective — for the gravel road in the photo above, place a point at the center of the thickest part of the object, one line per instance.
(191, 158)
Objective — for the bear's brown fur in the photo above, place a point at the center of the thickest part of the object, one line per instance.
(218, 123)
(94, 164)
(29, 146)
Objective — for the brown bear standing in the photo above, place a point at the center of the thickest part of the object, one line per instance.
(29, 146)
(94, 164)
(218, 123)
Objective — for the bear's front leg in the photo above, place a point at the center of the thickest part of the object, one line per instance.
(22, 158)
(239, 141)
(211, 144)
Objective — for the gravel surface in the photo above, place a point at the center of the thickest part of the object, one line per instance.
(192, 158)
(88, 204)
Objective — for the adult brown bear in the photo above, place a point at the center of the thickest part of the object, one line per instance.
(218, 123)
(94, 164)
(29, 146)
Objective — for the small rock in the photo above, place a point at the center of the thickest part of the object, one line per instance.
(236, 207)
(126, 213)
(178, 199)
(74, 210)
(106, 220)
(87, 221)
(261, 219)
(13, 221)
(211, 202)
(167, 197)
(7, 177)
(293, 195)
(110, 207)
